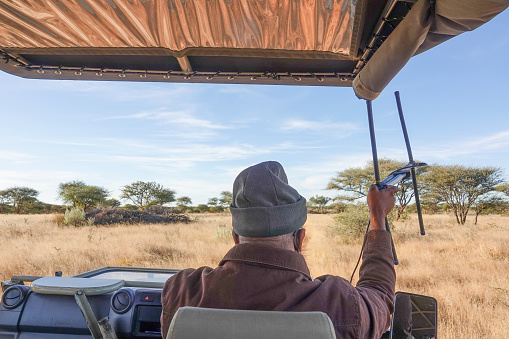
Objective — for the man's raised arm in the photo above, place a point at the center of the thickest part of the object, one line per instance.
(377, 277)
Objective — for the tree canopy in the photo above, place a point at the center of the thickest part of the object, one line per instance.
(319, 202)
(355, 182)
(112, 202)
(225, 199)
(460, 186)
(494, 202)
(214, 205)
(183, 203)
(144, 194)
(19, 197)
(81, 195)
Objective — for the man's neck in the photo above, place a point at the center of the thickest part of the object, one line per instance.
(284, 241)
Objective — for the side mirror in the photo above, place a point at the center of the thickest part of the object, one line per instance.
(415, 316)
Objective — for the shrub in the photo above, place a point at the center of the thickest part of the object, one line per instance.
(75, 217)
(403, 216)
(216, 209)
(353, 221)
(58, 219)
(201, 208)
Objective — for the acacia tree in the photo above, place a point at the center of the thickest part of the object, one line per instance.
(214, 205)
(20, 197)
(460, 186)
(503, 188)
(355, 182)
(183, 203)
(319, 202)
(490, 202)
(144, 194)
(429, 199)
(225, 199)
(4, 200)
(112, 202)
(81, 195)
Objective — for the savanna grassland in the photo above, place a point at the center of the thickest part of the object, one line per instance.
(466, 268)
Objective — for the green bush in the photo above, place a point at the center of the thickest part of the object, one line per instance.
(75, 217)
(353, 221)
(201, 208)
(403, 216)
(216, 209)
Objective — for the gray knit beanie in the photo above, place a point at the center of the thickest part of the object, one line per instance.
(263, 203)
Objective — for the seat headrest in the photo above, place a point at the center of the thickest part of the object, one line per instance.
(195, 322)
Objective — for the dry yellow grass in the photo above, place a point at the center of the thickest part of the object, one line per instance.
(466, 268)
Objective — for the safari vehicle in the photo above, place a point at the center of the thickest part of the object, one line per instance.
(344, 43)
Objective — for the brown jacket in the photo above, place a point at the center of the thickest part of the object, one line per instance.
(255, 277)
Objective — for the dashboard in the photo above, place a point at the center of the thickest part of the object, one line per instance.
(130, 298)
(133, 310)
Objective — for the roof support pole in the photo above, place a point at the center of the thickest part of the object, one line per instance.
(376, 169)
(410, 159)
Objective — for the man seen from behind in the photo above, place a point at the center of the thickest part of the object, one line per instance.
(265, 270)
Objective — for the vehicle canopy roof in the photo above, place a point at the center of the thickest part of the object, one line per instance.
(358, 43)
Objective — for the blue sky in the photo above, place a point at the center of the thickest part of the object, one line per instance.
(195, 138)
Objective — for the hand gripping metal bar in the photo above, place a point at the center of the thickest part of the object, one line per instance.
(399, 175)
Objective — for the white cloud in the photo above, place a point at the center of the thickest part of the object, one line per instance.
(44, 181)
(17, 157)
(61, 142)
(496, 141)
(153, 93)
(340, 129)
(181, 119)
(180, 157)
(185, 155)
(312, 178)
(200, 190)
(244, 90)
(491, 143)
(11, 177)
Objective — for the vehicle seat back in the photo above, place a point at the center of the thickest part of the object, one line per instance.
(195, 322)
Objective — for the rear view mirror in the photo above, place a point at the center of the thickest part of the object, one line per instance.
(415, 316)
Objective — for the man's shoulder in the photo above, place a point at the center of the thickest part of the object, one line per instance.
(184, 281)
(187, 275)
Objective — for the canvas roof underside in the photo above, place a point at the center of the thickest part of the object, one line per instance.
(359, 43)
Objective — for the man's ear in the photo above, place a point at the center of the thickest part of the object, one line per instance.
(300, 238)
(235, 237)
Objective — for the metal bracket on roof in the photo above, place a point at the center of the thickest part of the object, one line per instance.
(387, 19)
(185, 64)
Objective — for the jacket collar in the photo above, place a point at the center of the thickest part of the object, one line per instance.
(267, 256)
